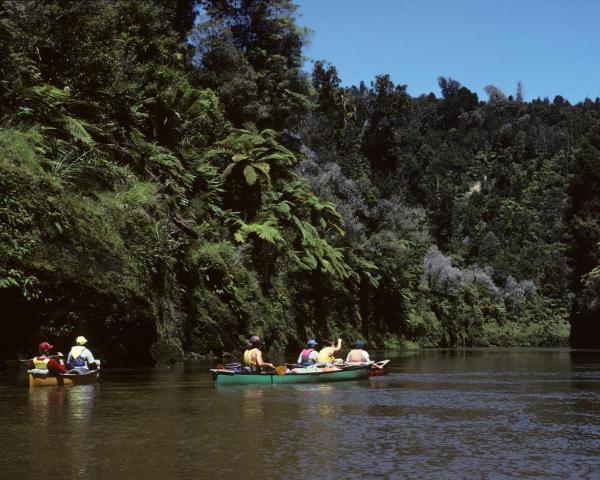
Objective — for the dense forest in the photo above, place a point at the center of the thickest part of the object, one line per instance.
(172, 181)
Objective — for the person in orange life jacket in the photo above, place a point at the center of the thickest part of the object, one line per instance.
(357, 354)
(253, 356)
(309, 356)
(44, 361)
(81, 359)
(326, 355)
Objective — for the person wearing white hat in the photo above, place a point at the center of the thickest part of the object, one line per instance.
(81, 359)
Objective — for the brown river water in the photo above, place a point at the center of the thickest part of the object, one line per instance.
(499, 413)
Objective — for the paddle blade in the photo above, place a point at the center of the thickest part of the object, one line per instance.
(281, 370)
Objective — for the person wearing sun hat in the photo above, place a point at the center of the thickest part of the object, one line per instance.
(309, 356)
(253, 356)
(80, 359)
(357, 354)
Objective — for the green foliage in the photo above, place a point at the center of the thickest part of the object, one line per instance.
(266, 231)
(140, 193)
(17, 238)
(169, 186)
(250, 53)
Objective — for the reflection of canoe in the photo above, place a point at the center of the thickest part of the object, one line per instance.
(40, 380)
(228, 377)
(380, 368)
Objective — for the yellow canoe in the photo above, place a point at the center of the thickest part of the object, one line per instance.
(41, 380)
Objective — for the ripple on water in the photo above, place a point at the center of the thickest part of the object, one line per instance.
(512, 414)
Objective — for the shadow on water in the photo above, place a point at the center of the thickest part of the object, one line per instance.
(585, 359)
(585, 368)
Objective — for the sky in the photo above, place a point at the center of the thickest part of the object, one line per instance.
(551, 46)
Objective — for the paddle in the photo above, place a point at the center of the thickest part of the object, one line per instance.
(17, 363)
(12, 363)
(380, 365)
(230, 355)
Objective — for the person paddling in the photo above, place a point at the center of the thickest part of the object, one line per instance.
(253, 356)
(357, 354)
(327, 354)
(81, 359)
(53, 364)
(309, 356)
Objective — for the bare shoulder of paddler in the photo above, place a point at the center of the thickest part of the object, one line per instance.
(257, 353)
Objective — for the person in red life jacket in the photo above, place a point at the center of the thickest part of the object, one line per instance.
(357, 354)
(309, 356)
(44, 361)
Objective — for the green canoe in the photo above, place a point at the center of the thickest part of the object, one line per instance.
(228, 377)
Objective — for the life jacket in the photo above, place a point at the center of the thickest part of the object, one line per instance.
(326, 355)
(305, 357)
(248, 360)
(355, 355)
(76, 359)
(41, 362)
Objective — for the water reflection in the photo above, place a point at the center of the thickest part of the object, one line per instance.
(80, 405)
(585, 359)
(67, 403)
(81, 402)
(438, 414)
(326, 407)
(45, 404)
(253, 405)
(60, 417)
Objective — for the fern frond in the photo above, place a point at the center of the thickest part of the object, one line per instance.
(76, 129)
(215, 153)
(250, 175)
(228, 169)
(268, 133)
(285, 159)
(265, 231)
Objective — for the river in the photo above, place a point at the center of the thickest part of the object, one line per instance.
(483, 413)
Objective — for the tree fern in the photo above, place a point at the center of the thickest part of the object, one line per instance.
(238, 157)
(250, 175)
(251, 153)
(77, 130)
(265, 231)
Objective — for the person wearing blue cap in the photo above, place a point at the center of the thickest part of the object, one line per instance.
(309, 355)
(357, 354)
